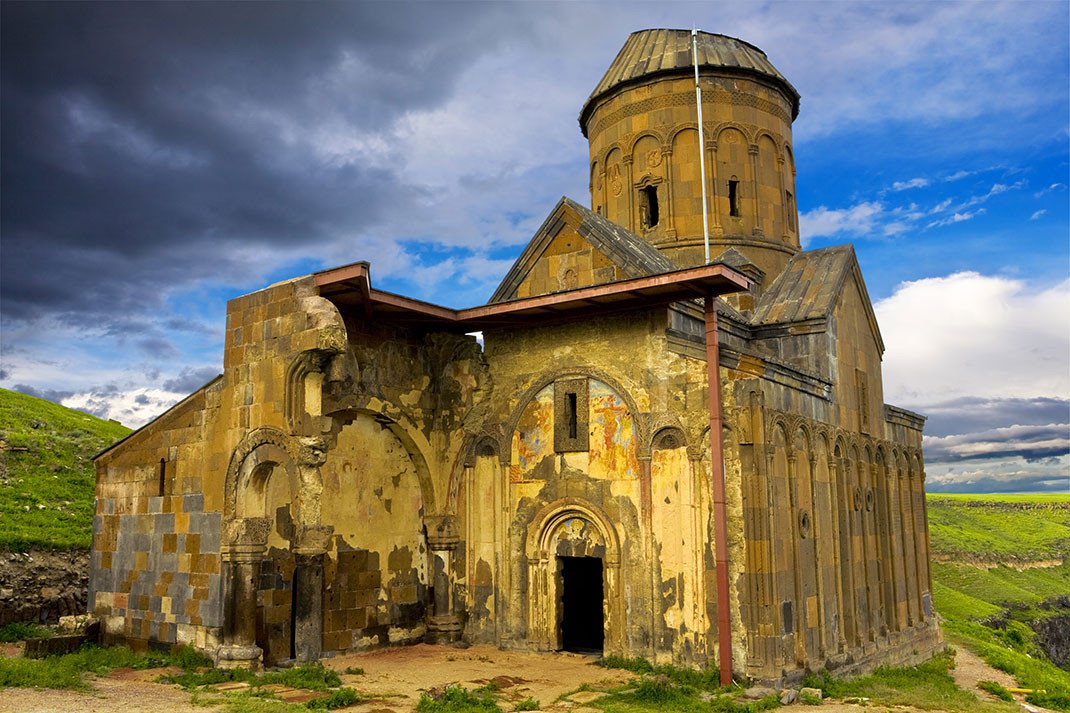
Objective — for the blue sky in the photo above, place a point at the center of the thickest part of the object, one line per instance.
(159, 159)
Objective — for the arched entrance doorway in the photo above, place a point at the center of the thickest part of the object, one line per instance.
(573, 573)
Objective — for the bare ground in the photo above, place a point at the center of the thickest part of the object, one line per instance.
(397, 677)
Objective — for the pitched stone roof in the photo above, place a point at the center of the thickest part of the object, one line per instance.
(648, 53)
(633, 255)
(808, 287)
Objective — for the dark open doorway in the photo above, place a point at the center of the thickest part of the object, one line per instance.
(582, 625)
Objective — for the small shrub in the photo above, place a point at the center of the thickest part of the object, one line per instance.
(996, 690)
(22, 630)
(311, 676)
(354, 671)
(635, 665)
(809, 699)
(528, 704)
(702, 679)
(727, 704)
(457, 699)
(338, 699)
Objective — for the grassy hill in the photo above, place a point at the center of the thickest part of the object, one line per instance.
(1001, 583)
(46, 472)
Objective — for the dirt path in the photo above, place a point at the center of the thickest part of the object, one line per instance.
(112, 695)
(399, 675)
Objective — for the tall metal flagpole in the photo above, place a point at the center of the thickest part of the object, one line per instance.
(701, 144)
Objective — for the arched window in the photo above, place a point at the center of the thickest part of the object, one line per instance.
(648, 207)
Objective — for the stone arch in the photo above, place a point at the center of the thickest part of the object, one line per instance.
(544, 525)
(555, 526)
(639, 136)
(693, 125)
(639, 423)
(721, 127)
(760, 133)
(409, 436)
(669, 437)
(258, 448)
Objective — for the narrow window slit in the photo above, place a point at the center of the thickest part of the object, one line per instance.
(570, 410)
(733, 198)
(648, 206)
(163, 476)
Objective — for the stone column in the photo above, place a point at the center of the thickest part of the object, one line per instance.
(668, 211)
(309, 553)
(245, 542)
(711, 152)
(444, 626)
(752, 150)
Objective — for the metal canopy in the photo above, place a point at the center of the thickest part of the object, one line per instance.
(349, 288)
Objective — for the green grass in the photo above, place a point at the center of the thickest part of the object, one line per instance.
(22, 630)
(1001, 497)
(46, 490)
(702, 679)
(66, 670)
(996, 690)
(658, 693)
(997, 533)
(928, 686)
(990, 610)
(1002, 586)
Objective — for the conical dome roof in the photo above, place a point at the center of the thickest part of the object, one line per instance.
(649, 53)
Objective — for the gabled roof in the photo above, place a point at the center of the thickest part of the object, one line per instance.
(660, 52)
(808, 287)
(633, 255)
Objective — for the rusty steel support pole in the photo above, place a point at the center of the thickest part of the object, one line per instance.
(720, 526)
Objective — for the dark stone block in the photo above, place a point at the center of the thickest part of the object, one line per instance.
(39, 648)
(193, 503)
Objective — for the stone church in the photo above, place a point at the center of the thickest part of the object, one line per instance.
(365, 473)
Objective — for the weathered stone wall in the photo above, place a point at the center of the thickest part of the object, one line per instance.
(155, 569)
(42, 585)
(643, 509)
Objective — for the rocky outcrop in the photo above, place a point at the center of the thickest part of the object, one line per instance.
(42, 585)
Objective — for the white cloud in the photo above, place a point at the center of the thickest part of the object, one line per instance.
(912, 183)
(1037, 214)
(956, 218)
(969, 334)
(133, 408)
(1053, 188)
(1007, 476)
(859, 219)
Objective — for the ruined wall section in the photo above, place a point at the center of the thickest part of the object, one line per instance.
(154, 570)
(396, 446)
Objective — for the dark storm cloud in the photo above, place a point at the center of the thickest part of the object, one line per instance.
(145, 145)
(158, 348)
(1031, 443)
(972, 413)
(48, 394)
(190, 379)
